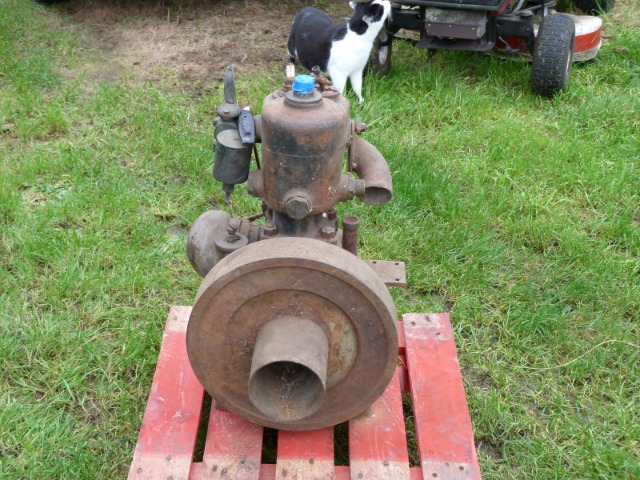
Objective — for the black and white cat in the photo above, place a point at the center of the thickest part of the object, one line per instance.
(341, 51)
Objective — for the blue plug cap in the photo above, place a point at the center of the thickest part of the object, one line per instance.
(303, 84)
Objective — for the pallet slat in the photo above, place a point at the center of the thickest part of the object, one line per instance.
(305, 455)
(377, 439)
(168, 434)
(233, 448)
(441, 414)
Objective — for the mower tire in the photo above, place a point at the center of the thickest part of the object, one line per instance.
(552, 54)
(380, 57)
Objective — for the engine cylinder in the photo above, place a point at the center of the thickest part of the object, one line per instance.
(303, 143)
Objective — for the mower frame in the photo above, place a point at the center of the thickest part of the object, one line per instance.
(529, 28)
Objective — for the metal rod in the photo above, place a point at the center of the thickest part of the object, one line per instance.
(350, 227)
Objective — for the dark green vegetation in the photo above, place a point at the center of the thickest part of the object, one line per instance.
(518, 214)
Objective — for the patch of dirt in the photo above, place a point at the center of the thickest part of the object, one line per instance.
(188, 42)
(490, 449)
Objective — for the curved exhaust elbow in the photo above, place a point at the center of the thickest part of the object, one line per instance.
(371, 167)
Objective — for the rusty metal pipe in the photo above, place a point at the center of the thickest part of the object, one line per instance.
(350, 227)
(288, 377)
(371, 166)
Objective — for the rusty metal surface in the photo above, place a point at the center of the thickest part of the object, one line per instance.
(289, 368)
(303, 145)
(393, 274)
(205, 231)
(350, 228)
(303, 278)
(301, 176)
(319, 227)
(370, 165)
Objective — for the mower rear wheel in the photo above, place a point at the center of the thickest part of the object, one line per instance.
(380, 57)
(552, 54)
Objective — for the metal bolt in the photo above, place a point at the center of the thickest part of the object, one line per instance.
(297, 207)
(269, 231)
(232, 230)
(328, 232)
(359, 127)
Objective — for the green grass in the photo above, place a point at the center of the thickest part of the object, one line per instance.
(520, 215)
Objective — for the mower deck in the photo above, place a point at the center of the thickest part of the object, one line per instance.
(587, 44)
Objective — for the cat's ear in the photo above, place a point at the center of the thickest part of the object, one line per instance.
(353, 4)
(374, 13)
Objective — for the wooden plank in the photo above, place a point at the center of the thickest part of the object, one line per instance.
(393, 274)
(441, 414)
(233, 448)
(342, 472)
(268, 472)
(168, 434)
(402, 359)
(401, 340)
(416, 474)
(305, 455)
(378, 440)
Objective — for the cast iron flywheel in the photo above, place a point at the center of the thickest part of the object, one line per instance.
(293, 333)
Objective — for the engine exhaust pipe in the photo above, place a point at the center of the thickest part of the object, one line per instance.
(288, 377)
(371, 166)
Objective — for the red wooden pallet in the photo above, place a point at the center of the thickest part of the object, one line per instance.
(377, 440)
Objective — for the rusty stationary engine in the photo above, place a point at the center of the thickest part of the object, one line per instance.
(290, 328)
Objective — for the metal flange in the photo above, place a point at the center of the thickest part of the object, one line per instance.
(275, 288)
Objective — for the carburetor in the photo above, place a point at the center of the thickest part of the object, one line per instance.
(290, 328)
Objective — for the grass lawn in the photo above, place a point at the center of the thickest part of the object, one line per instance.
(517, 214)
